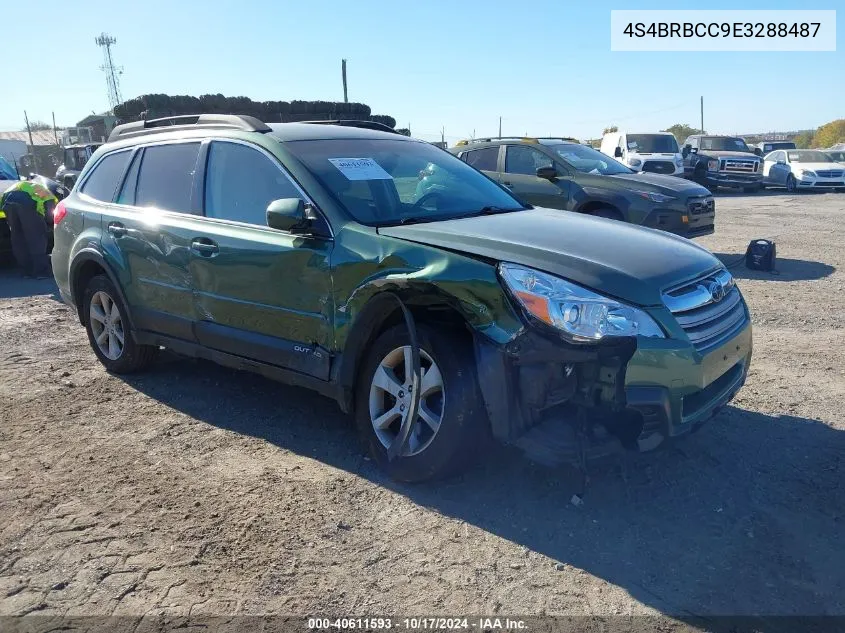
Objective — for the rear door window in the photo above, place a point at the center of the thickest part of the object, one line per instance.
(241, 182)
(485, 159)
(166, 177)
(130, 183)
(106, 176)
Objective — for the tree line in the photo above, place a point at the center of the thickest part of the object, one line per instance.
(153, 106)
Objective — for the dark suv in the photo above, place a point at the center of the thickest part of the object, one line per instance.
(309, 254)
(561, 173)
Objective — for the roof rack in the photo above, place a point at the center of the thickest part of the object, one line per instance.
(189, 122)
(369, 125)
(524, 139)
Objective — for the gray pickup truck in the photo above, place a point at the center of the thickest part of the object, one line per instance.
(722, 161)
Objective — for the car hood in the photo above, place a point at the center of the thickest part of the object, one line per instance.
(628, 262)
(670, 185)
(817, 166)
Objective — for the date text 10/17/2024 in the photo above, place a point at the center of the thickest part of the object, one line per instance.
(417, 624)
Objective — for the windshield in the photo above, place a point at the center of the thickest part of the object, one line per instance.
(7, 172)
(808, 156)
(724, 144)
(652, 143)
(588, 160)
(382, 182)
(837, 156)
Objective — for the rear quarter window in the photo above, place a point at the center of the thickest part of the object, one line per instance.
(106, 176)
(485, 159)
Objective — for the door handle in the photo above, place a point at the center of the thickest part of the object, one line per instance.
(205, 247)
(117, 229)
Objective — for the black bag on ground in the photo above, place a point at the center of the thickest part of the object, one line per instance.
(761, 255)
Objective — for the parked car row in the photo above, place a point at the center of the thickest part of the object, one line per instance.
(426, 297)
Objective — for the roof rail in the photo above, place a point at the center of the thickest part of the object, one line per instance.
(189, 122)
(524, 139)
(369, 125)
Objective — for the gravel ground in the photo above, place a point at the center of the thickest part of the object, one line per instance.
(193, 489)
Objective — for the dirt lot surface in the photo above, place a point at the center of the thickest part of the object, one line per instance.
(193, 489)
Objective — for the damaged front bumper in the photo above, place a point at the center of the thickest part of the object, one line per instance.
(560, 402)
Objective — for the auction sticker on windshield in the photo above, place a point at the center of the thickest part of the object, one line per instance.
(360, 169)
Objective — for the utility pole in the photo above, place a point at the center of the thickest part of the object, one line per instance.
(55, 131)
(443, 134)
(500, 127)
(31, 142)
(343, 73)
(702, 114)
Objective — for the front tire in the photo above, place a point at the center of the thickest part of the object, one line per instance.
(449, 428)
(107, 324)
(791, 184)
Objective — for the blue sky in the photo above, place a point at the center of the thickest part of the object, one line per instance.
(545, 67)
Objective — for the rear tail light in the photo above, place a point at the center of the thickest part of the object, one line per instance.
(59, 213)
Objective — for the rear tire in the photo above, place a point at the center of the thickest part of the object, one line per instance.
(107, 324)
(456, 406)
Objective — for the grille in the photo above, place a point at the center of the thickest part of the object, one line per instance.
(741, 166)
(829, 173)
(698, 206)
(659, 166)
(831, 183)
(707, 322)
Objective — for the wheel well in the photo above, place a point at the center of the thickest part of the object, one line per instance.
(87, 271)
(594, 205)
(437, 315)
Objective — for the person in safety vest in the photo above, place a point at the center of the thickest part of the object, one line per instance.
(25, 205)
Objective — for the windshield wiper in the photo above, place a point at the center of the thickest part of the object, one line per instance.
(414, 219)
(491, 210)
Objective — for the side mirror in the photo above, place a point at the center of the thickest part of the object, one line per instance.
(685, 152)
(547, 173)
(617, 153)
(288, 214)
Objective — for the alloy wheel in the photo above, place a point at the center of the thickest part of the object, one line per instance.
(390, 399)
(107, 325)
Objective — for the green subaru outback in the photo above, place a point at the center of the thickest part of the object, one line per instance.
(561, 173)
(307, 253)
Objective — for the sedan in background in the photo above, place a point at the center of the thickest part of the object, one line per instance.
(802, 169)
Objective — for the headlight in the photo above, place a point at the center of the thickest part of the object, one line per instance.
(713, 165)
(806, 173)
(635, 162)
(582, 316)
(653, 196)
